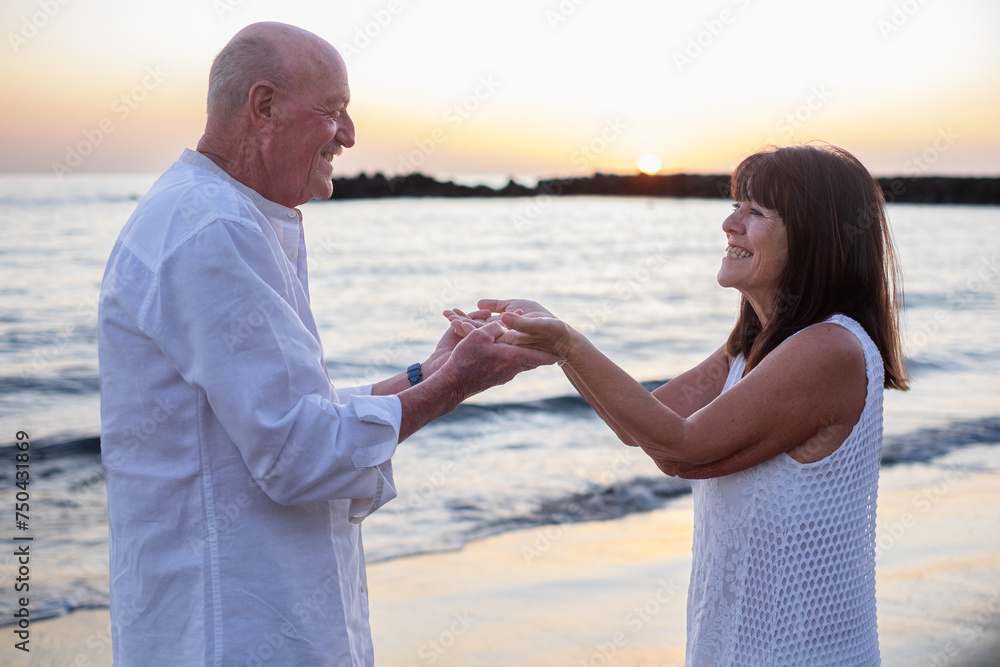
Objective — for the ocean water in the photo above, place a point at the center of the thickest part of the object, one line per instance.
(637, 274)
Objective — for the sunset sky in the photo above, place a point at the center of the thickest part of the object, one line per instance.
(526, 87)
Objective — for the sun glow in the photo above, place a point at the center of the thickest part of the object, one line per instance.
(648, 163)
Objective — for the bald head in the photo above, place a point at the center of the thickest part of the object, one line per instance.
(277, 112)
(284, 55)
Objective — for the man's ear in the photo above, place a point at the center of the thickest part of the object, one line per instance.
(262, 96)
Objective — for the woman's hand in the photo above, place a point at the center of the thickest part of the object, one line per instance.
(538, 332)
(518, 306)
(529, 325)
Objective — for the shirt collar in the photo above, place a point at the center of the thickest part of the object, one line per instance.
(266, 206)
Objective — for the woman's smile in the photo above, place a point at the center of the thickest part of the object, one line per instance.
(756, 254)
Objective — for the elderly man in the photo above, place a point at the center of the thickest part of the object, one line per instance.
(237, 475)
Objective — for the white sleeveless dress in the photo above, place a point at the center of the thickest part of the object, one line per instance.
(784, 552)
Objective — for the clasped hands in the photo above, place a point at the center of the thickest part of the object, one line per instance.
(492, 345)
(524, 324)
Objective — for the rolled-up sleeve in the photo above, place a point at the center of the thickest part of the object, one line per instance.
(226, 313)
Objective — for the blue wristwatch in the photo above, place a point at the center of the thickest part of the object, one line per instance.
(414, 373)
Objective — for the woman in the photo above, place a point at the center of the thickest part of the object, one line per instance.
(781, 427)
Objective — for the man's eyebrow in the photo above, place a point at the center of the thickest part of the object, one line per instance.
(335, 103)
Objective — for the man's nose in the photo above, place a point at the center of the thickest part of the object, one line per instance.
(345, 130)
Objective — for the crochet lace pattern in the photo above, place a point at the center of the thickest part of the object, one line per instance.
(784, 553)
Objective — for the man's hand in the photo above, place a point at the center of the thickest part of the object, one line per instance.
(528, 324)
(484, 359)
(479, 361)
(437, 359)
(442, 352)
(463, 324)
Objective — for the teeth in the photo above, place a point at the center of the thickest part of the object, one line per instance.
(737, 253)
(328, 156)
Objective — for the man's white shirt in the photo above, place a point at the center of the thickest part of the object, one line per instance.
(237, 474)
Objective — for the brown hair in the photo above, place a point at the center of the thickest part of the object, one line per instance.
(840, 251)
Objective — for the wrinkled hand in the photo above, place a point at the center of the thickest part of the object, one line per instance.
(442, 351)
(463, 324)
(492, 310)
(529, 325)
(483, 360)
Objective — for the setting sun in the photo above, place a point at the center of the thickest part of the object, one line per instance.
(648, 163)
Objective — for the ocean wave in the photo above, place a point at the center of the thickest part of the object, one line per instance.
(65, 384)
(926, 444)
(599, 503)
(570, 404)
(916, 366)
(919, 446)
(643, 494)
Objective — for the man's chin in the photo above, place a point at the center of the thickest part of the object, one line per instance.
(322, 189)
